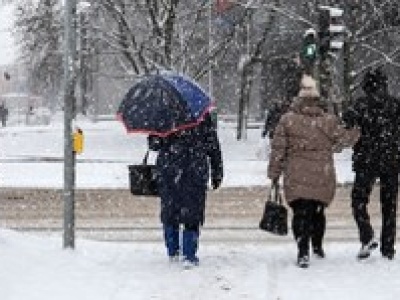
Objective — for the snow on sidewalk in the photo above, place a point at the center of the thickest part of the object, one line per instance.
(37, 268)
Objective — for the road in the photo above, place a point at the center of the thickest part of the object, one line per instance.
(232, 214)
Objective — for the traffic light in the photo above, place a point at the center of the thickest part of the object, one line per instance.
(308, 54)
(331, 30)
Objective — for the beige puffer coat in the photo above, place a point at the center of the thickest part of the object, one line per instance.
(302, 151)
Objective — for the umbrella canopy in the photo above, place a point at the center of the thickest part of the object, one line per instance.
(162, 104)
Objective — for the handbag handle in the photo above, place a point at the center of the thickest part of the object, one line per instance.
(275, 188)
(146, 157)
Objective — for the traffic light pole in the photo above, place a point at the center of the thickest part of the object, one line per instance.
(69, 107)
(325, 79)
(348, 55)
(348, 79)
(331, 40)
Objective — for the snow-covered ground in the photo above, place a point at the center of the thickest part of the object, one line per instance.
(36, 267)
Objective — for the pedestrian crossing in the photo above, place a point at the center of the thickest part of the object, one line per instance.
(232, 214)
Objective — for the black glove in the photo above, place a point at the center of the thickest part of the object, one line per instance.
(348, 119)
(263, 134)
(216, 182)
(275, 181)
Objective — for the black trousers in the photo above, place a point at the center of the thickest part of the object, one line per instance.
(362, 188)
(308, 223)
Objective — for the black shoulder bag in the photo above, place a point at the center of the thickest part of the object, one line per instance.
(143, 178)
(275, 216)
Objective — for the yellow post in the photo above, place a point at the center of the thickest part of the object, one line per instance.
(78, 140)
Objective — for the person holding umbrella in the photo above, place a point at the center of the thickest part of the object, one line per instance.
(183, 162)
(175, 112)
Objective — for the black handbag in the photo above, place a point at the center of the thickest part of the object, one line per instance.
(143, 178)
(275, 216)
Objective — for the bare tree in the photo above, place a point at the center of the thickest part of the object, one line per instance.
(374, 30)
(126, 39)
(38, 29)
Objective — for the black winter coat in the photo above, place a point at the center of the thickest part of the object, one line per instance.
(378, 117)
(273, 117)
(183, 162)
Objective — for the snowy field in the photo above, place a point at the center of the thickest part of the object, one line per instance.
(36, 267)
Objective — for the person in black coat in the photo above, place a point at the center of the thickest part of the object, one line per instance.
(375, 156)
(292, 75)
(3, 114)
(273, 117)
(183, 162)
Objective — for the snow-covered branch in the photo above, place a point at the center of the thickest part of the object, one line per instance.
(386, 58)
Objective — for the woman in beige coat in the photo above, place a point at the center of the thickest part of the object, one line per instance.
(302, 151)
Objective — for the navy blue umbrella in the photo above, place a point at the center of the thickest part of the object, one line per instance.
(162, 104)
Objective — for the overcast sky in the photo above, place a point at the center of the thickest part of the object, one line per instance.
(7, 47)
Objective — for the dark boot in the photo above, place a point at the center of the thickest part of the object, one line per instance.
(319, 252)
(389, 190)
(303, 257)
(366, 249)
(303, 260)
(362, 188)
(388, 254)
(301, 227)
(189, 247)
(318, 229)
(171, 238)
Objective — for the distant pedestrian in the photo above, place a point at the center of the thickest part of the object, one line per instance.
(375, 156)
(273, 116)
(29, 115)
(293, 74)
(302, 151)
(183, 162)
(3, 114)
